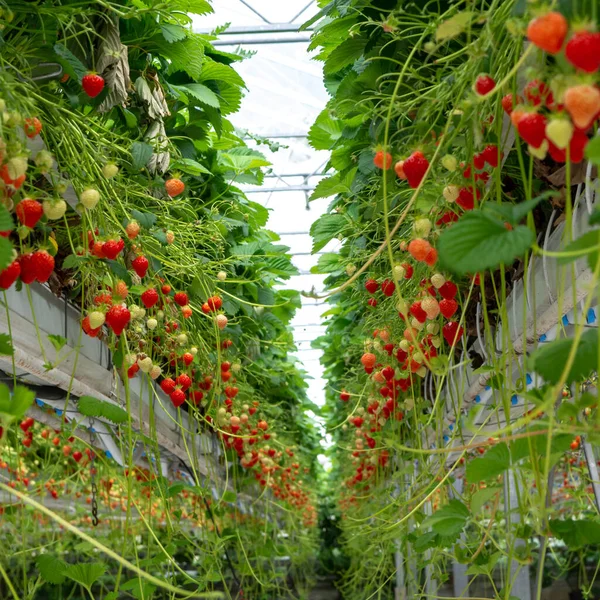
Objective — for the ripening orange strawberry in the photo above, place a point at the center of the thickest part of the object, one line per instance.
(548, 32)
(174, 187)
(583, 104)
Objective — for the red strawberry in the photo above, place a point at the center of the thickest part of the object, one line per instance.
(111, 249)
(214, 303)
(583, 51)
(408, 270)
(9, 275)
(140, 265)
(415, 167)
(382, 160)
(388, 373)
(77, 456)
(197, 396)
(491, 155)
(452, 332)
(174, 187)
(117, 318)
(372, 302)
(371, 286)
(29, 212)
(181, 298)
(508, 103)
(184, 381)
(344, 396)
(43, 265)
(167, 385)
(484, 84)
(532, 128)
(231, 391)
(388, 287)
(188, 359)
(579, 140)
(92, 84)
(448, 307)
(87, 329)
(448, 290)
(149, 297)
(417, 312)
(27, 268)
(177, 397)
(466, 199)
(478, 161)
(166, 289)
(32, 127)
(133, 370)
(537, 92)
(548, 32)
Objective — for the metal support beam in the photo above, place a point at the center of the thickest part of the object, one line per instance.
(289, 188)
(251, 41)
(592, 466)
(255, 29)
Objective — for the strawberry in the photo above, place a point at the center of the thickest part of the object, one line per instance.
(448, 290)
(87, 328)
(92, 84)
(96, 319)
(89, 198)
(9, 275)
(140, 265)
(577, 144)
(408, 270)
(184, 381)
(448, 307)
(132, 229)
(419, 248)
(77, 456)
(149, 297)
(221, 321)
(415, 167)
(465, 199)
(431, 307)
(399, 170)
(174, 187)
(491, 155)
(214, 303)
(583, 104)
(29, 212)
(537, 93)
(478, 161)
(181, 298)
(452, 333)
(112, 248)
(431, 257)
(121, 290)
(231, 391)
(13, 182)
(187, 359)
(167, 385)
(382, 160)
(117, 318)
(388, 287)
(177, 397)
(583, 51)
(186, 311)
(225, 375)
(27, 268)
(371, 286)
(559, 132)
(548, 32)
(368, 360)
(484, 84)
(372, 302)
(32, 127)
(42, 264)
(196, 396)
(110, 170)
(166, 289)
(532, 128)
(417, 312)
(54, 209)
(344, 396)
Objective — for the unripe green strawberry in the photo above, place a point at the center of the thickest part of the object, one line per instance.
(350, 270)
(110, 170)
(170, 237)
(137, 313)
(160, 315)
(12, 119)
(560, 132)
(449, 162)
(145, 364)
(404, 345)
(16, 167)
(89, 198)
(437, 280)
(155, 372)
(44, 161)
(182, 339)
(55, 209)
(97, 319)
(131, 358)
(151, 324)
(433, 328)
(422, 227)
(451, 193)
(539, 152)
(221, 276)
(399, 272)
(193, 351)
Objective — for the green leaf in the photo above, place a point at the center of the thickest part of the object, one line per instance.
(229, 496)
(324, 229)
(186, 55)
(448, 520)
(595, 217)
(202, 93)
(51, 568)
(478, 242)
(592, 151)
(6, 253)
(331, 186)
(189, 166)
(130, 118)
(70, 63)
(57, 341)
(495, 461)
(325, 131)
(140, 154)
(426, 541)
(454, 26)
(515, 213)
(146, 220)
(549, 359)
(85, 573)
(173, 33)
(588, 244)
(6, 347)
(481, 497)
(89, 406)
(17, 405)
(73, 261)
(196, 7)
(175, 490)
(6, 221)
(345, 54)
(576, 533)
(120, 271)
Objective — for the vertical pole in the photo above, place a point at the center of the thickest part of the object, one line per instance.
(521, 588)
(430, 582)
(459, 571)
(592, 466)
(400, 579)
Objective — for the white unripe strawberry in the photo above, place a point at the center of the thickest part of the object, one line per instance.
(89, 198)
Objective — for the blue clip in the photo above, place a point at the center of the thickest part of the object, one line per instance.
(591, 316)
(446, 439)
(565, 320)
(451, 426)
(39, 403)
(514, 400)
(477, 399)
(542, 338)
(108, 454)
(528, 379)
(58, 411)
